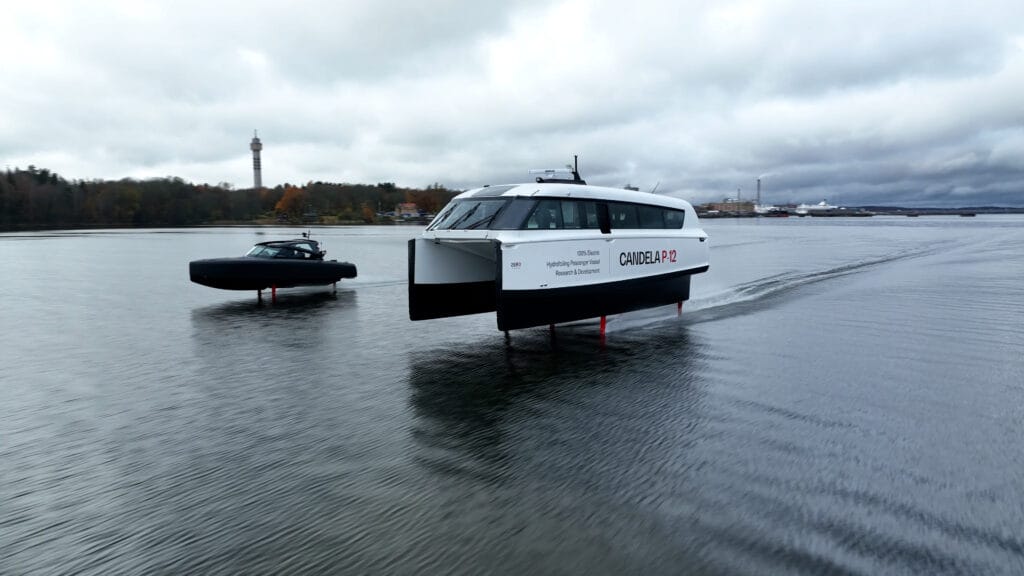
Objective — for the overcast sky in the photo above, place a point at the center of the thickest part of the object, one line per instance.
(858, 102)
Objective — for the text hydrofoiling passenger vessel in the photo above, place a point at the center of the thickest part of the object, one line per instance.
(552, 251)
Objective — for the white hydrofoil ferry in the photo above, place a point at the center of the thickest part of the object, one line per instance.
(556, 250)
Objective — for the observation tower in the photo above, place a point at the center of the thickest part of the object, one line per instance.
(256, 146)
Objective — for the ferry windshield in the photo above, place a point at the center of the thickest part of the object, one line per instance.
(469, 213)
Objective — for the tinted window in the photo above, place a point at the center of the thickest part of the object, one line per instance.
(651, 217)
(623, 215)
(570, 214)
(550, 213)
(513, 216)
(673, 218)
(547, 214)
(263, 251)
(587, 212)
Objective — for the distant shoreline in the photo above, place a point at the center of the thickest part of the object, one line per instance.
(269, 224)
(862, 211)
(233, 224)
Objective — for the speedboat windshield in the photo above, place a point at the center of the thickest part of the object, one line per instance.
(468, 214)
(260, 251)
(297, 249)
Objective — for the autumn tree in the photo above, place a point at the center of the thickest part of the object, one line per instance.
(38, 197)
(432, 199)
(292, 202)
(369, 216)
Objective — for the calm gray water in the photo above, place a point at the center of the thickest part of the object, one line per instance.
(841, 396)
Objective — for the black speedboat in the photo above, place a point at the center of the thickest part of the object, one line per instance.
(273, 264)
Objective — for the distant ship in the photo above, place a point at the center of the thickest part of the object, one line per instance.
(823, 208)
(815, 209)
(769, 211)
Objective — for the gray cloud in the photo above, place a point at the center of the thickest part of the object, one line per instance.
(870, 102)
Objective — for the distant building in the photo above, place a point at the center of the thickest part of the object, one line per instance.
(407, 210)
(310, 216)
(731, 206)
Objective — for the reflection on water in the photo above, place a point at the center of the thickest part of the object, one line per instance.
(467, 395)
(837, 398)
(240, 336)
(239, 343)
(304, 303)
(564, 437)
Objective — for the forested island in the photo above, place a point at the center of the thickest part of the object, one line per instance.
(36, 198)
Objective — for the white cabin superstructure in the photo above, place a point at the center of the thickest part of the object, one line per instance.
(548, 252)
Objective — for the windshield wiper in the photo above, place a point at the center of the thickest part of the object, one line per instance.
(462, 218)
(482, 221)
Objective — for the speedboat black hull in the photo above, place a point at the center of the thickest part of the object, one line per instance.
(246, 273)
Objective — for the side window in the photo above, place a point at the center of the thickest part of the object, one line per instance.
(570, 215)
(674, 218)
(623, 216)
(588, 215)
(547, 214)
(579, 214)
(650, 217)
(514, 216)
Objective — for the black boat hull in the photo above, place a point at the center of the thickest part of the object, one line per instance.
(246, 273)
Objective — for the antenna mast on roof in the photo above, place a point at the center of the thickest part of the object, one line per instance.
(560, 174)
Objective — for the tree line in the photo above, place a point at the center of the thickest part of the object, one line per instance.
(38, 198)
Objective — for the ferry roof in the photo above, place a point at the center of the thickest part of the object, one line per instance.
(567, 190)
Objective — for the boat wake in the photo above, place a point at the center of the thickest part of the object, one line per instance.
(754, 295)
(378, 283)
